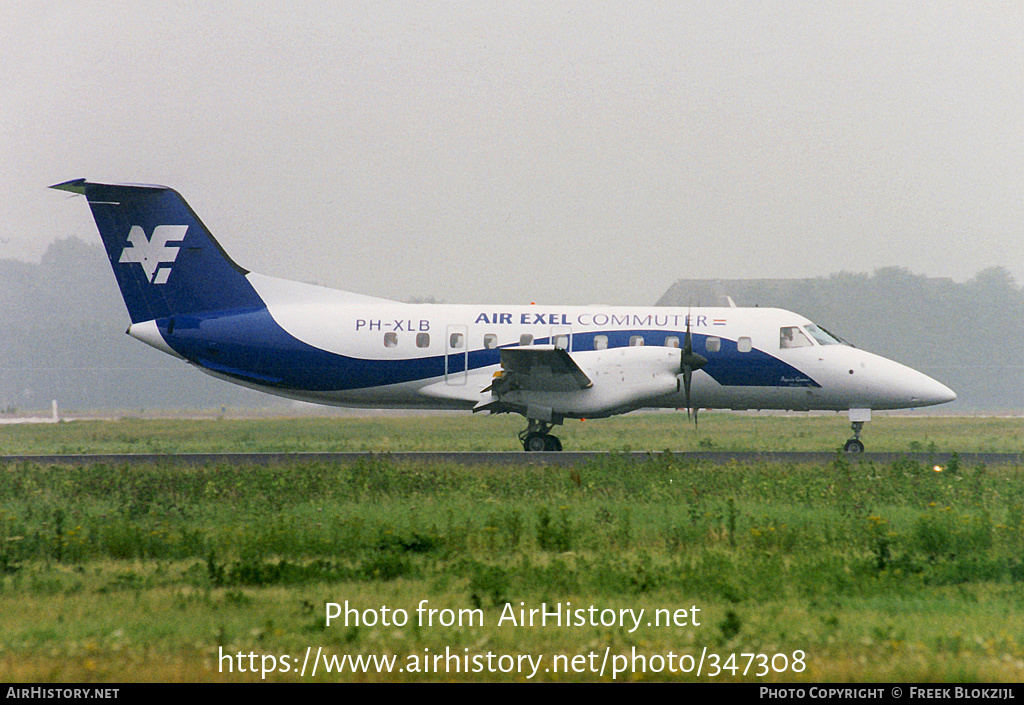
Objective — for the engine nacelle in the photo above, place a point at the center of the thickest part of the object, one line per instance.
(623, 379)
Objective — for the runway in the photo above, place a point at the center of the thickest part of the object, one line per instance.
(512, 458)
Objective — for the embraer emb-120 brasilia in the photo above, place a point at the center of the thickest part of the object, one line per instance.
(186, 297)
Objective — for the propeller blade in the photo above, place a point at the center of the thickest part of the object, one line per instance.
(689, 361)
(687, 374)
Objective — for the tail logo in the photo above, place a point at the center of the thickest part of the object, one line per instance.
(152, 253)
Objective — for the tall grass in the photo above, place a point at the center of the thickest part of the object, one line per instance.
(933, 526)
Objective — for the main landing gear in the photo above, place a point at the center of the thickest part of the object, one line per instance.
(536, 436)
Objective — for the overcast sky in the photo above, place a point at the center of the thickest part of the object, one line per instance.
(558, 152)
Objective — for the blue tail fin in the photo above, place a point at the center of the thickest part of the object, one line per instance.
(165, 260)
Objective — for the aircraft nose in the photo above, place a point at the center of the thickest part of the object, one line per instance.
(888, 384)
(918, 389)
(929, 391)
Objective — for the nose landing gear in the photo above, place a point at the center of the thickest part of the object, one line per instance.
(854, 445)
(858, 417)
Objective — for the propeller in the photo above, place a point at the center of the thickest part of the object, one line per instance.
(689, 361)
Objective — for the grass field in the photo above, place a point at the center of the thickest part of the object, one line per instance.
(466, 432)
(841, 571)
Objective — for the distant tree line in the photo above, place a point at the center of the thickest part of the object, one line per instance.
(62, 336)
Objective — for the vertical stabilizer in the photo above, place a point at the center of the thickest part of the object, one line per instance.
(165, 260)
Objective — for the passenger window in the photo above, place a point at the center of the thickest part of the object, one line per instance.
(560, 341)
(636, 340)
(456, 341)
(712, 343)
(390, 340)
(600, 342)
(744, 345)
(490, 341)
(423, 340)
(672, 341)
(526, 339)
(793, 337)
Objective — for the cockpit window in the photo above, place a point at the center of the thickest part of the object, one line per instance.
(823, 336)
(793, 337)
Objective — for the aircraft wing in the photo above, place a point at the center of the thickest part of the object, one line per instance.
(539, 368)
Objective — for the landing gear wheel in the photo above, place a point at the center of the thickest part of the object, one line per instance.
(535, 437)
(854, 445)
(536, 442)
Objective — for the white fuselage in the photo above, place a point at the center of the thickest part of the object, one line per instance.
(378, 353)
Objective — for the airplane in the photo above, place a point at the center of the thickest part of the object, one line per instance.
(186, 297)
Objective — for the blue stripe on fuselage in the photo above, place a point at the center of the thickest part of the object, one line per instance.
(251, 346)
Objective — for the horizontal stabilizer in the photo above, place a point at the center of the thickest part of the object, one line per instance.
(73, 186)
